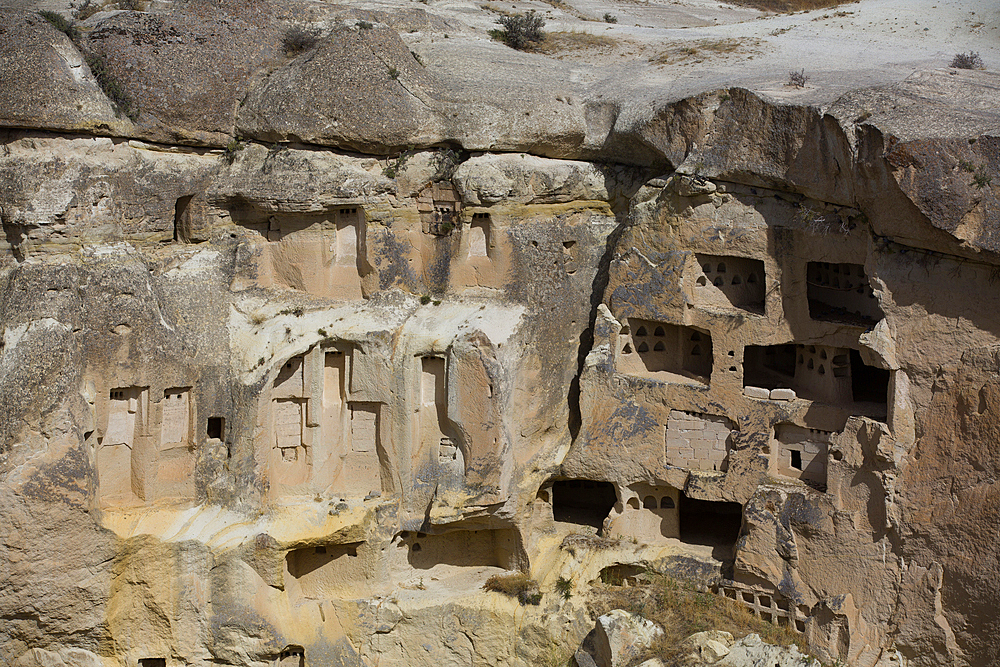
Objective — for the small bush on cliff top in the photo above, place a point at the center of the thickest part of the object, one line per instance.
(520, 30)
(797, 79)
(61, 23)
(970, 60)
(110, 85)
(298, 39)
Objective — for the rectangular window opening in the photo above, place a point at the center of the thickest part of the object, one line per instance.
(216, 428)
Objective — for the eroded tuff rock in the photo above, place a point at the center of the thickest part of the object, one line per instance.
(290, 403)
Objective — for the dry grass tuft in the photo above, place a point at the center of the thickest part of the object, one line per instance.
(682, 611)
(567, 9)
(593, 542)
(701, 49)
(517, 585)
(556, 42)
(785, 6)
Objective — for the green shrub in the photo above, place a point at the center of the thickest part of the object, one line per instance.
(520, 30)
(232, 148)
(609, 18)
(393, 167)
(61, 23)
(110, 85)
(393, 73)
(981, 178)
(565, 587)
(364, 25)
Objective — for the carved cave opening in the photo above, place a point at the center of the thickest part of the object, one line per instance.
(460, 548)
(582, 501)
(833, 375)
(216, 429)
(710, 523)
(868, 383)
(479, 235)
(730, 281)
(182, 219)
(802, 454)
(841, 293)
(325, 570)
(768, 366)
(665, 351)
(291, 656)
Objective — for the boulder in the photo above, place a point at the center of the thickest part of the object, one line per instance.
(359, 88)
(708, 647)
(752, 651)
(526, 179)
(46, 84)
(184, 73)
(621, 637)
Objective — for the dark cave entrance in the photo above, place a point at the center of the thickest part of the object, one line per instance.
(711, 523)
(582, 501)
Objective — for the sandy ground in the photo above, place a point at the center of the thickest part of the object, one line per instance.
(856, 44)
(667, 49)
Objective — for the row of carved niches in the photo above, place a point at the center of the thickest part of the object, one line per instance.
(650, 516)
(666, 352)
(841, 293)
(324, 430)
(320, 253)
(730, 282)
(833, 375)
(144, 450)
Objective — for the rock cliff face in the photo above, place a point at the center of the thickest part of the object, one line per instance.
(293, 399)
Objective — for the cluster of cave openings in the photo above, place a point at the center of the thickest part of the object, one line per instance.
(710, 523)
(657, 349)
(802, 453)
(460, 548)
(325, 571)
(730, 281)
(582, 501)
(479, 235)
(841, 293)
(291, 656)
(832, 375)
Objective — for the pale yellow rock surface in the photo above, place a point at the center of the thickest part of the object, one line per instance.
(296, 361)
